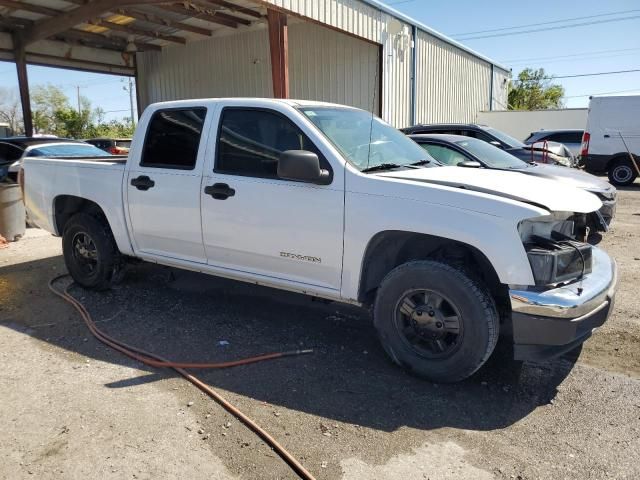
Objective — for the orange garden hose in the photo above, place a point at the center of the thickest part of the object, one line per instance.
(154, 360)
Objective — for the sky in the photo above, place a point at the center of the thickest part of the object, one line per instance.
(601, 46)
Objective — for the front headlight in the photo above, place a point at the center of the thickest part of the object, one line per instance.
(553, 252)
(559, 261)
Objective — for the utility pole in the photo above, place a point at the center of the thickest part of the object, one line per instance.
(79, 107)
(130, 90)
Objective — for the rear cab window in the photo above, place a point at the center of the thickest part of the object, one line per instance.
(173, 137)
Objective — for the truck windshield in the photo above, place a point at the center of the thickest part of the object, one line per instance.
(367, 142)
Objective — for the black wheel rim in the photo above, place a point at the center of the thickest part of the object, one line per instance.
(622, 173)
(429, 323)
(85, 252)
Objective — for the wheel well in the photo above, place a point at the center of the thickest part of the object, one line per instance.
(66, 206)
(390, 249)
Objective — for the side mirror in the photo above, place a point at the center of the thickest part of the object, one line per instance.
(470, 164)
(496, 143)
(302, 166)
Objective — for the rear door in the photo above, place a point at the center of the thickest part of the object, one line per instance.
(163, 188)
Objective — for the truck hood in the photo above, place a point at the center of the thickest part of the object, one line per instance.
(550, 194)
(572, 176)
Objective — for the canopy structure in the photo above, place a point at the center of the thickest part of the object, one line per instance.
(104, 35)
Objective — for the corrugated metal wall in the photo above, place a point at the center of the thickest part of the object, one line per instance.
(452, 85)
(366, 21)
(352, 16)
(500, 89)
(333, 67)
(228, 66)
(324, 65)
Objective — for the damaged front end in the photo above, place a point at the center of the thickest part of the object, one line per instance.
(573, 291)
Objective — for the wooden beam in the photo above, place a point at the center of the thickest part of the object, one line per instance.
(112, 43)
(29, 7)
(164, 21)
(23, 82)
(236, 8)
(134, 30)
(200, 14)
(279, 48)
(213, 8)
(51, 26)
(155, 18)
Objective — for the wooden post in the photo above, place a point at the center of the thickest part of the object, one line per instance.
(279, 47)
(23, 83)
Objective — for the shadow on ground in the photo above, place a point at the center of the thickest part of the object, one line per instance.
(183, 316)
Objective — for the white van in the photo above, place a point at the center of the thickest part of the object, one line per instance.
(613, 130)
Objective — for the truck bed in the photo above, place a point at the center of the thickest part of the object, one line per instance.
(97, 179)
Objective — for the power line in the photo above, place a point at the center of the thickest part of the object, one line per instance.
(576, 75)
(594, 74)
(572, 55)
(603, 93)
(545, 23)
(559, 27)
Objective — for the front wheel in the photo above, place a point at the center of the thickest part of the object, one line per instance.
(90, 252)
(622, 172)
(435, 320)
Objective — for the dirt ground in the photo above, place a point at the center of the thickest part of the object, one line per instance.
(72, 408)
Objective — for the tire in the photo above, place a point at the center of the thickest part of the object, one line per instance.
(90, 252)
(408, 334)
(622, 172)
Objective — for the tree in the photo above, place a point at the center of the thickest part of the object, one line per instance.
(11, 109)
(45, 101)
(533, 90)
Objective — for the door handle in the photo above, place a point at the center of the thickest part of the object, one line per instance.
(143, 183)
(220, 191)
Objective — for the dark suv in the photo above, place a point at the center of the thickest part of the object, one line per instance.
(555, 153)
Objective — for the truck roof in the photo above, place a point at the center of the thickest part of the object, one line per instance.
(275, 101)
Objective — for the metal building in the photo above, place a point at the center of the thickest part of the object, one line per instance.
(356, 52)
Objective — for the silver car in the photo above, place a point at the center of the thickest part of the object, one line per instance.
(471, 152)
(570, 138)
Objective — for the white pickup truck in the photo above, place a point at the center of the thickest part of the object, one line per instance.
(331, 202)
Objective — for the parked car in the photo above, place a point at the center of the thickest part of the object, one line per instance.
(612, 137)
(115, 146)
(332, 202)
(570, 138)
(456, 150)
(554, 153)
(14, 149)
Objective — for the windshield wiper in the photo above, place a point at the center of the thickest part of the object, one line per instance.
(421, 162)
(382, 166)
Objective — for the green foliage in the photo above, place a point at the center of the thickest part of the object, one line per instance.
(534, 91)
(54, 114)
(46, 100)
(112, 129)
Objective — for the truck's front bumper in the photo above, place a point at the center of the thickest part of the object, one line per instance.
(552, 322)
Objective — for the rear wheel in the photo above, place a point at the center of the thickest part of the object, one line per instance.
(435, 320)
(622, 172)
(90, 252)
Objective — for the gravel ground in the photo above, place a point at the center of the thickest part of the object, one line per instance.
(72, 408)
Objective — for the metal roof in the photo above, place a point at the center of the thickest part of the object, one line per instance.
(129, 26)
(411, 21)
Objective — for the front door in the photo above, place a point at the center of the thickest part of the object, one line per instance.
(163, 190)
(257, 223)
